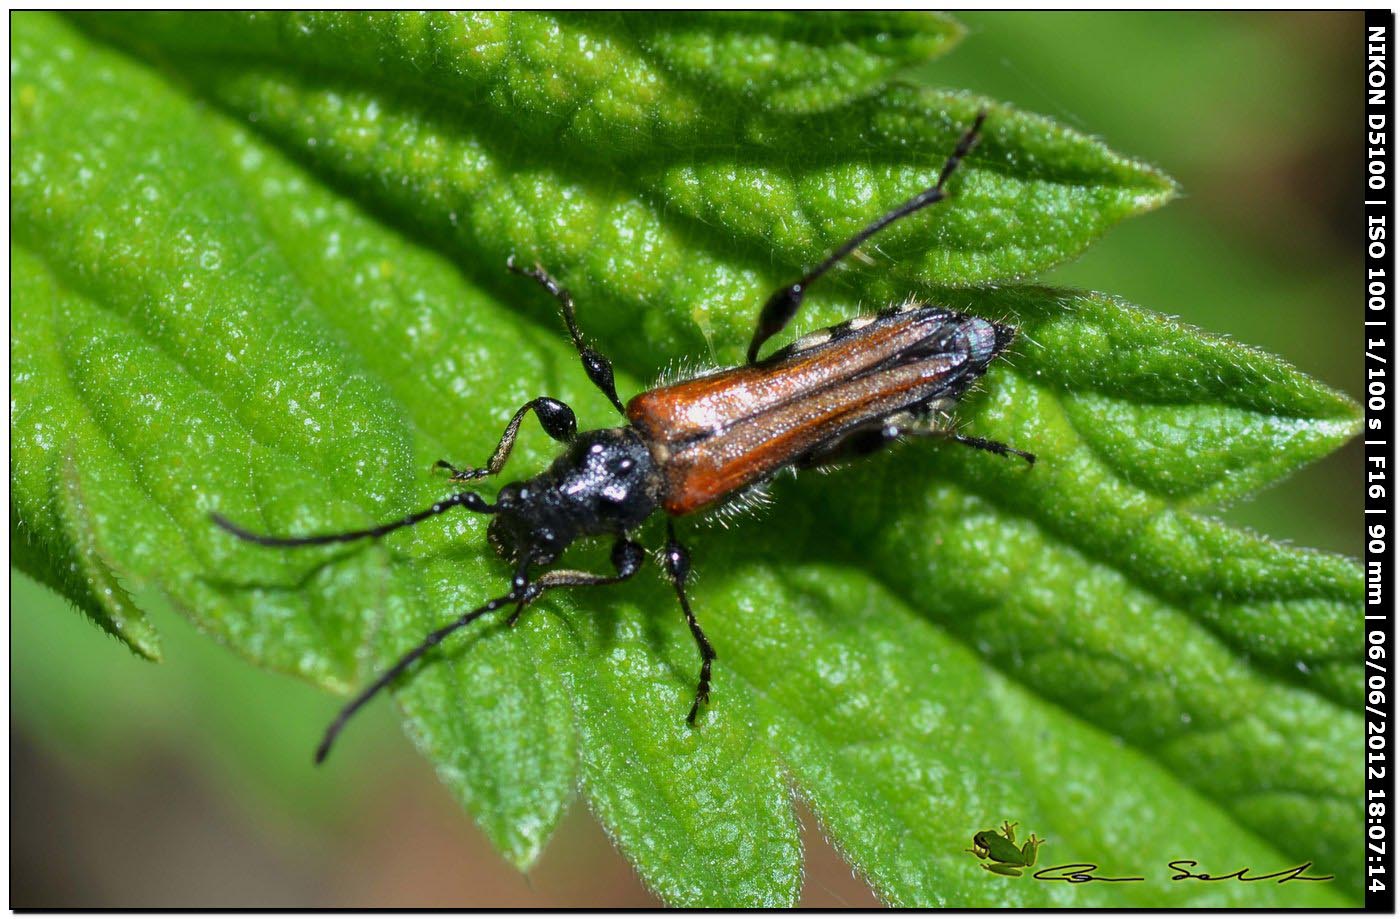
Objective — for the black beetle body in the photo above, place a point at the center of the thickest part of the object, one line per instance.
(835, 394)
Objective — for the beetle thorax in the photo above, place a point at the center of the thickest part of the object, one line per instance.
(605, 483)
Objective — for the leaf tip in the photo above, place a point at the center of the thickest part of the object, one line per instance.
(945, 34)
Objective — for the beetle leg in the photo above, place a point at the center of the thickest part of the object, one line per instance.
(981, 443)
(598, 367)
(678, 568)
(627, 558)
(555, 417)
(786, 301)
(873, 438)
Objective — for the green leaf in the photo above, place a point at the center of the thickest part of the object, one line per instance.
(598, 78)
(258, 269)
(557, 137)
(615, 84)
(788, 62)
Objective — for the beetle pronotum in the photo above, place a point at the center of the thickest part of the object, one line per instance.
(692, 445)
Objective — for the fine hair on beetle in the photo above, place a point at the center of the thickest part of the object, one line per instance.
(703, 442)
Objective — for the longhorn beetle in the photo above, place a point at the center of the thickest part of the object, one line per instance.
(693, 445)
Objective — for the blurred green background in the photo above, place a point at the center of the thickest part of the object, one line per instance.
(191, 781)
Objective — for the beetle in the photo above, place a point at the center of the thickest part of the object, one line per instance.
(696, 444)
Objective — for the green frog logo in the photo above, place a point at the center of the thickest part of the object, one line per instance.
(1000, 853)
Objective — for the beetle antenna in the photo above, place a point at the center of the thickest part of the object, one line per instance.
(470, 500)
(784, 304)
(403, 663)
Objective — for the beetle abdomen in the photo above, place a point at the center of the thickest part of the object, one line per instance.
(724, 431)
